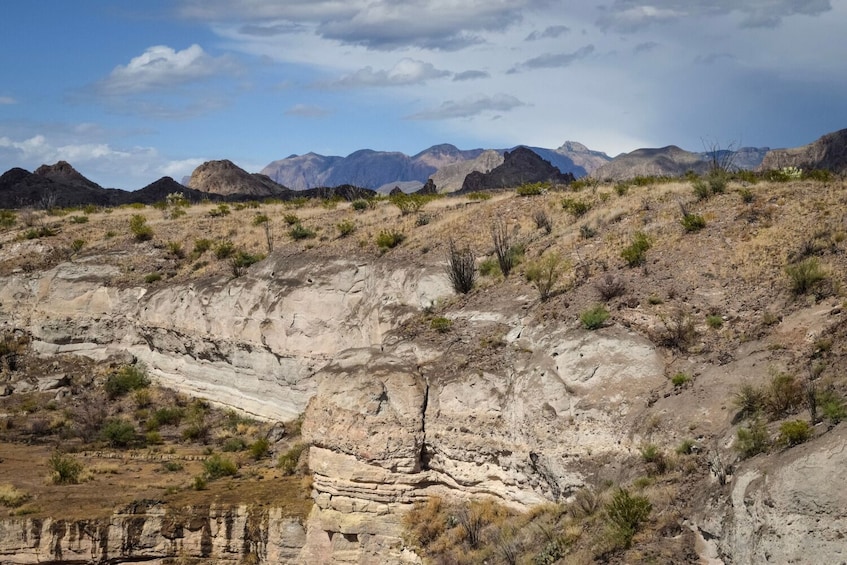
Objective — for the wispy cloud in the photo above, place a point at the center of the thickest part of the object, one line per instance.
(405, 73)
(551, 32)
(307, 111)
(554, 60)
(627, 16)
(7, 101)
(645, 47)
(470, 75)
(469, 107)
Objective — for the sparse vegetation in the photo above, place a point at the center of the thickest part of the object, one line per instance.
(64, 469)
(693, 222)
(298, 231)
(794, 432)
(805, 274)
(217, 466)
(125, 380)
(545, 272)
(389, 239)
(753, 439)
(532, 189)
(625, 514)
(594, 317)
(289, 460)
(241, 260)
(461, 268)
(345, 228)
(140, 230)
(635, 253)
(576, 207)
(441, 324)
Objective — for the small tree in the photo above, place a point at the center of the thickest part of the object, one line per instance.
(461, 268)
(140, 230)
(545, 273)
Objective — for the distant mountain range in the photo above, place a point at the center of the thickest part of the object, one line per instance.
(443, 168)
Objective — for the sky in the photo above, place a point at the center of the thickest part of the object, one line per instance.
(130, 91)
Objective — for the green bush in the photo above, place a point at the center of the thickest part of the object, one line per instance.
(389, 239)
(259, 448)
(749, 400)
(288, 461)
(217, 466)
(594, 317)
(679, 380)
(832, 406)
(65, 470)
(220, 211)
(260, 219)
(139, 228)
(489, 267)
(746, 195)
(359, 205)
(820, 175)
(480, 196)
(532, 189)
(126, 379)
(753, 439)
(298, 231)
(118, 433)
(77, 245)
(79, 219)
(224, 249)
(201, 246)
(794, 432)
(7, 218)
(576, 207)
(291, 219)
(625, 514)
(635, 253)
(241, 260)
(165, 416)
(784, 395)
(175, 249)
(441, 324)
(410, 203)
(714, 321)
(693, 222)
(346, 227)
(152, 277)
(234, 444)
(43, 231)
(805, 274)
(544, 273)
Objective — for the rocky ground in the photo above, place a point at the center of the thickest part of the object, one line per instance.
(414, 394)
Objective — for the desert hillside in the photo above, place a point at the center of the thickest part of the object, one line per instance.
(652, 370)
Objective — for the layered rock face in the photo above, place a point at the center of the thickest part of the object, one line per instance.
(252, 343)
(146, 531)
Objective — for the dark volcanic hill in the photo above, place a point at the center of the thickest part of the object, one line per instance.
(828, 152)
(49, 186)
(519, 167)
(160, 189)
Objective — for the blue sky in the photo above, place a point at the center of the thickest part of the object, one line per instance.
(130, 91)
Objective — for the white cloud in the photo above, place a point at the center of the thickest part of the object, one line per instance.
(161, 68)
(307, 111)
(469, 107)
(554, 60)
(405, 73)
(7, 100)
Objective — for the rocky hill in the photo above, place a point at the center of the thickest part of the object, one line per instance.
(449, 178)
(520, 166)
(670, 161)
(642, 385)
(828, 152)
(227, 179)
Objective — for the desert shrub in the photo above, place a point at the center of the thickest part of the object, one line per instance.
(77, 245)
(7, 218)
(172, 466)
(461, 268)
(752, 439)
(359, 205)
(680, 380)
(820, 175)
(749, 400)
(289, 460)
(504, 247)
(586, 231)
(805, 274)
(794, 432)
(489, 267)
(480, 196)
(346, 227)
(686, 447)
(241, 260)
(152, 277)
(175, 249)
(425, 522)
(655, 458)
(126, 379)
(216, 466)
(784, 395)
(610, 286)
(201, 246)
(532, 189)
(298, 231)
(693, 222)
(543, 221)
(220, 211)
(575, 207)
(233, 444)
(594, 317)
(545, 272)
(714, 321)
(746, 195)
(260, 219)
(118, 433)
(259, 448)
(410, 203)
(635, 253)
(677, 330)
(165, 416)
(79, 219)
(441, 324)
(12, 497)
(625, 514)
(199, 483)
(389, 239)
(224, 249)
(139, 228)
(64, 469)
(291, 219)
(36, 233)
(831, 406)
